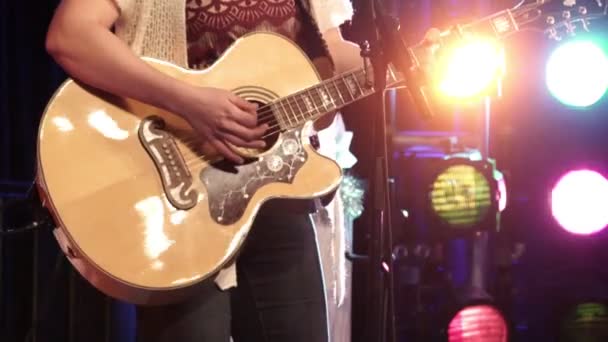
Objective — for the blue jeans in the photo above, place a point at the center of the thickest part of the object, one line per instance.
(279, 297)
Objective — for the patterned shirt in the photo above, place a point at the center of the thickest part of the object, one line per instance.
(213, 25)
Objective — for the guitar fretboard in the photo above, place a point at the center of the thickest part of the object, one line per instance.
(327, 96)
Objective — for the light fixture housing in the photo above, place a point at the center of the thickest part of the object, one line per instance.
(463, 197)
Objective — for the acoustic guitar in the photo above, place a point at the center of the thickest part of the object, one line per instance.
(147, 213)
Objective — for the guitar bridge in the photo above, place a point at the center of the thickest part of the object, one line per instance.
(175, 176)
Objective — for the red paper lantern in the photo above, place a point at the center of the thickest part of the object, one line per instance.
(481, 323)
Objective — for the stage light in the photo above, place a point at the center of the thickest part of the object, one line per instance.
(577, 73)
(479, 323)
(448, 196)
(588, 322)
(465, 195)
(469, 69)
(461, 195)
(502, 190)
(579, 202)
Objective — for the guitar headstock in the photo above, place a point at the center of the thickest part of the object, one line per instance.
(557, 18)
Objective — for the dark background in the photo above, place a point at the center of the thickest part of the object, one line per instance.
(534, 139)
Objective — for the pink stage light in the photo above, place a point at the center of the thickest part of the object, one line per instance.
(480, 323)
(579, 202)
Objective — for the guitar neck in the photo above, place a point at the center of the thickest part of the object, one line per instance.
(330, 95)
(498, 25)
(339, 91)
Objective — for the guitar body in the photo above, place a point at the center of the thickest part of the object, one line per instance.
(146, 218)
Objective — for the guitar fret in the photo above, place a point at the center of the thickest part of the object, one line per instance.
(344, 94)
(359, 84)
(352, 96)
(318, 100)
(327, 99)
(287, 115)
(278, 116)
(295, 115)
(338, 91)
(330, 96)
(354, 86)
(302, 113)
(321, 100)
(312, 104)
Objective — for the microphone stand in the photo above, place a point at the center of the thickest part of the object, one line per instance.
(379, 314)
(395, 51)
(382, 46)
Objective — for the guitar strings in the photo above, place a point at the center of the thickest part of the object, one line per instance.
(292, 100)
(193, 142)
(266, 114)
(354, 72)
(196, 158)
(272, 129)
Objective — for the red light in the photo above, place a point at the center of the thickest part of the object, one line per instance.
(481, 323)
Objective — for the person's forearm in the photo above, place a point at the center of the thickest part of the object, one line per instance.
(94, 55)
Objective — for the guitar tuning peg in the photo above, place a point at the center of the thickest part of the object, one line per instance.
(582, 10)
(554, 35)
(570, 27)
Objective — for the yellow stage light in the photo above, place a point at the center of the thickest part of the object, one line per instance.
(469, 69)
(449, 196)
(461, 196)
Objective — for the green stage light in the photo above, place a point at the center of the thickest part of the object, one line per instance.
(461, 196)
(464, 196)
(448, 196)
(588, 322)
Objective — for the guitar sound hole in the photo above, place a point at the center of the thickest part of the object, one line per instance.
(265, 116)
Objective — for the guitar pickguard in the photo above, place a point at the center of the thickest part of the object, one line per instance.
(230, 187)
